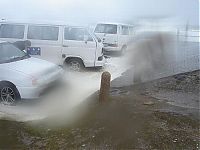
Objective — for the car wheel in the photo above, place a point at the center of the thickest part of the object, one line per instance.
(9, 94)
(75, 64)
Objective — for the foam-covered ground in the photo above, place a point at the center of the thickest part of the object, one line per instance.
(60, 100)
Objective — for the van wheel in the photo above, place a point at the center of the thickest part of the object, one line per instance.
(9, 95)
(75, 64)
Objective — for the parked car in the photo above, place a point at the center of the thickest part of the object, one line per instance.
(115, 36)
(73, 46)
(22, 76)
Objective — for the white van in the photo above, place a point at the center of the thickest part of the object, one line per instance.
(60, 44)
(115, 36)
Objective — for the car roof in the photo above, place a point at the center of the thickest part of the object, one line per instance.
(42, 23)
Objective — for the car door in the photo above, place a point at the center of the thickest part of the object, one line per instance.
(45, 42)
(77, 42)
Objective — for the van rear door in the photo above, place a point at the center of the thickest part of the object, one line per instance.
(45, 42)
(77, 42)
(124, 35)
(108, 33)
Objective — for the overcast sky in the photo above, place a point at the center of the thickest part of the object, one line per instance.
(91, 11)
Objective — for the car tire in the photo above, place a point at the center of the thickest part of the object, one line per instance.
(75, 64)
(9, 95)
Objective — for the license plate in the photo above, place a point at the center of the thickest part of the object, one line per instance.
(34, 50)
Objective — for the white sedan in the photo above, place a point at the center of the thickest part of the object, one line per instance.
(23, 77)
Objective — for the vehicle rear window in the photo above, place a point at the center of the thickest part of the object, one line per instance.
(106, 28)
(125, 30)
(12, 31)
(43, 33)
(131, 30)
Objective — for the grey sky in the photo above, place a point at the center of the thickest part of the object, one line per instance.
(91, 11)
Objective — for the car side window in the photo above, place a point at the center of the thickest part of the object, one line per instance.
(125, 30)
(89, 37)
(43, 32)
(12, 31)
(76, 34)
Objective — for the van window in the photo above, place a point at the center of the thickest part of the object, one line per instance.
(125, 30)
(43, 33)
(106, 28)
(89, 37)
(76, 34)
(131, 30)
(12, 31)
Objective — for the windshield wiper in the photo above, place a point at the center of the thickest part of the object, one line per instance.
(25, 56)
(16, 58)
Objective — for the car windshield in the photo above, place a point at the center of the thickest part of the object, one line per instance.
(10, 53)
(106, 28)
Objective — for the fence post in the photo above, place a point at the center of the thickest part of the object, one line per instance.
(105, 87)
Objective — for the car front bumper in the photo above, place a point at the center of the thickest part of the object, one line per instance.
(100, 63)
(30, 92)
(34, 92)
(111, 49)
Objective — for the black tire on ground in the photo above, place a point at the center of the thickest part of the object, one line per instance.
(75, 64)
(9, 95)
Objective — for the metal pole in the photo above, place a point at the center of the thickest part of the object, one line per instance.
(105, 87)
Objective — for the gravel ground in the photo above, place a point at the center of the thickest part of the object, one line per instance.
(181, 90)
